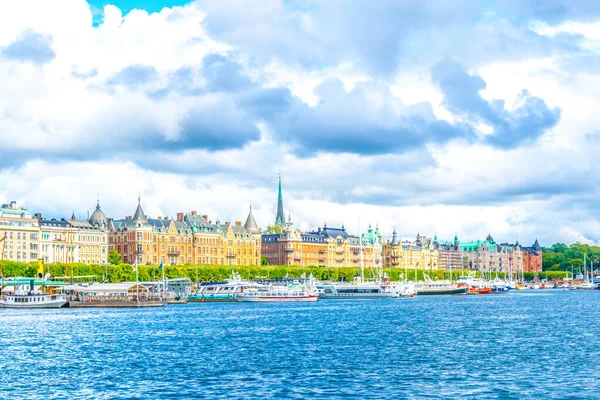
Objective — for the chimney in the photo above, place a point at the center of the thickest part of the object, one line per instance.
(227, 223)
(166, 218)
(205, 217)
(13, 204)
(194, 213)
(159, 218)
(217, 222)
(180, 216)
(38, 216)
(238, 223)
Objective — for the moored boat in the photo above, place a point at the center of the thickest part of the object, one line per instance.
(32, 293)
(292, 293)
(348, 291)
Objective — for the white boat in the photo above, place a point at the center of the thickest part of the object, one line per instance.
(295, 293)
(224, 291)
(353, 291)
(31, 293)
(403, 289)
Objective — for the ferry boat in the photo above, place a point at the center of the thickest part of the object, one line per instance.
(353, 291)
(293, 293)
(224, 291)
(437, 288)
(32, 293)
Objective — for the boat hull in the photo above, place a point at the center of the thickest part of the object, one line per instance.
(115, 304)
(50, 304)
(211, 299)
(355, 296)
(276, 299)
(442, 292)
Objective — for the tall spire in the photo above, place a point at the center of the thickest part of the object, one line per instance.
(280, 218)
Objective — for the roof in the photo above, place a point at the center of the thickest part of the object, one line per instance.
(333, 232)
(27, 281)
(139, 213)
(251, 225)
(111, 287)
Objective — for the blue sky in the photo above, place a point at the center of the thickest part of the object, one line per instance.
(429, 116)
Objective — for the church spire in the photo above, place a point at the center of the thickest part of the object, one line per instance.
(280, 218)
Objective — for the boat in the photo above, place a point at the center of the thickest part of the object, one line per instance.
(32, 293)
(358, 290)
(114, 295)
(275, 293)
(438, 288)
(479, 290)
(225, 291)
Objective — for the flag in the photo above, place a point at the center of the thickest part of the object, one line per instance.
(134, 265)
(160, 266)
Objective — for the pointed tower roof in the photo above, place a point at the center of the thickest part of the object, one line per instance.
(489, 238)
(536, 246)
(139, 213)
(395, 238)
(280, 218)
(251, 225)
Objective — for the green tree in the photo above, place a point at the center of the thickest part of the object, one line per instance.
(273, 229)
(114, 258)
(263, 260)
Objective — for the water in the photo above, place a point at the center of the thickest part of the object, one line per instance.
(535, 344)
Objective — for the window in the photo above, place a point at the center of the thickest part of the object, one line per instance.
(139, 236)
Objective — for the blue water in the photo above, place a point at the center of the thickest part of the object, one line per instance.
(535, 344)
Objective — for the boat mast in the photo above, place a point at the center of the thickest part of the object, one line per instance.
(362, 256)
(3, 240)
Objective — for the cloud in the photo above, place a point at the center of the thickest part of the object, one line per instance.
(30, 46)
(529, 119)
(134, 76)
(365, 120)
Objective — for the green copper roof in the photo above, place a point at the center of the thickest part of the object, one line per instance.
(27, 281)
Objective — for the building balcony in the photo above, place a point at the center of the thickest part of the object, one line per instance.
(173, 252)
(339, 251)
(321, 251)
(230, 256)
(288, 250)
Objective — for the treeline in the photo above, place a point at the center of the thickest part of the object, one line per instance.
(213, 273)
(560, 257)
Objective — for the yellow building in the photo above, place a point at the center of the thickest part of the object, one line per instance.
(21, 232)
(188, 239)
(419, 254)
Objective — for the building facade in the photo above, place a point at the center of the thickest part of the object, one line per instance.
(21, 233)
(422, 253)
(532, 258)
(324, 247)
(66, 241)
(188, 239)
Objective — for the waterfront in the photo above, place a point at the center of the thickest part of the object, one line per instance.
(531, 344)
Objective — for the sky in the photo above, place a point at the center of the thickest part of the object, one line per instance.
(429, 117)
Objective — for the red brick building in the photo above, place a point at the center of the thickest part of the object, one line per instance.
(532, 258)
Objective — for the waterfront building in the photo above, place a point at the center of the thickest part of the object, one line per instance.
(422, 253)
(449, 254)
(21, 232)
(189, 239)
(84, 241)
(324, 247)
(480, 255)
(532, 258)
